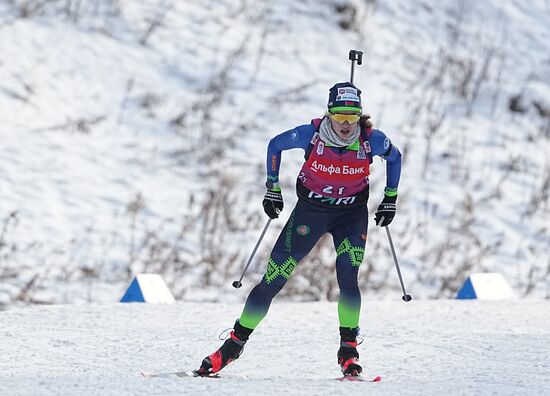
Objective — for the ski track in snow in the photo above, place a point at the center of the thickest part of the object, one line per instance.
(424, 347)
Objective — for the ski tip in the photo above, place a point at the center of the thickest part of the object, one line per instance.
(377, 379)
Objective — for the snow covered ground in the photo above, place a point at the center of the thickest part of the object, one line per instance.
(444, 347)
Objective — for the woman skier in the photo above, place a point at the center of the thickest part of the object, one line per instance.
(332, 189)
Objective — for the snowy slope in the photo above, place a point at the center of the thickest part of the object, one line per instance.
(420, 348)
(131, 146)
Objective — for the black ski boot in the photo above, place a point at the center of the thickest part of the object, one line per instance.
(229, 351)
(348, 357)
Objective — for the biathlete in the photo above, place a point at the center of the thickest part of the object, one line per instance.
(332, 189)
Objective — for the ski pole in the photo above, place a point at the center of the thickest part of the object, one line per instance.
(238, 283)
(406, 297)
(354, 56)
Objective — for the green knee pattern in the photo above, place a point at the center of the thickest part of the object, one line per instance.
(356, 253)
(274, 270)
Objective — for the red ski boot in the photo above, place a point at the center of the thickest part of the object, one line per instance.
(348, 357)
(229, 351)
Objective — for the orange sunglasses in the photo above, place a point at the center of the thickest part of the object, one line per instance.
(341, 118)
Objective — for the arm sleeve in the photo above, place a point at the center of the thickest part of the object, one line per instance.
(298, 137)
(383, 147)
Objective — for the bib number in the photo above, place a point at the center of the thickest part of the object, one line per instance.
(330, 189)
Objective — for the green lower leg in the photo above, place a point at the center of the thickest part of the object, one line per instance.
(250, 319)
(348, 314)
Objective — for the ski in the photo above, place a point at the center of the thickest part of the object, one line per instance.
(189, 373)
(357, 378)
(194, 373)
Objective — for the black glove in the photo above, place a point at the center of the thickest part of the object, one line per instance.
(386, 211)
(273, 203)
